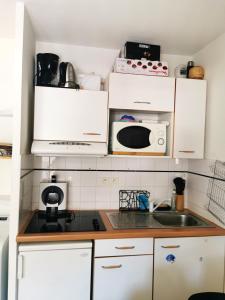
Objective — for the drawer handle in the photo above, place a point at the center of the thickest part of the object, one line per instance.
(91, 133)
(187, 151)
(125, 247)
(171, 246)
(142, 102)
(112, 267)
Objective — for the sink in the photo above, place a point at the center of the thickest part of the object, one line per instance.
(179, 220)
(141, 220)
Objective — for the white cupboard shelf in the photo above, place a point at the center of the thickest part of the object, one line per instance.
(185, 266)
(189, 124)
(139, 92)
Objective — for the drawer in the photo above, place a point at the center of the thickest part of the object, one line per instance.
(120, 247)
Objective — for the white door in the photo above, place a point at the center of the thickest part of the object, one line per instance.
(190, 107)
(54, 274)
(184, 266)
(69, 115)
(140, 92)
(123, 278)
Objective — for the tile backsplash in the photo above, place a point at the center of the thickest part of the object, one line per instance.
(94, 183)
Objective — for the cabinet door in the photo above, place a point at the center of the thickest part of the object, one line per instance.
(139, 92)
(184, 266)
(189, 130)
(66, 114)
(54, 274)
(123, 278)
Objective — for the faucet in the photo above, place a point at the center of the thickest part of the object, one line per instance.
(151, 205)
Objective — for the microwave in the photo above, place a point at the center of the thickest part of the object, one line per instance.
(144, 138)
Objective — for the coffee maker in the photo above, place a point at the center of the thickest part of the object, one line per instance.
(47, 67)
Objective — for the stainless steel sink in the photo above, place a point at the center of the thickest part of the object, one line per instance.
(179, 220)
(135, 220)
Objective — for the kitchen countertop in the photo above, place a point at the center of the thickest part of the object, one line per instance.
(111, 233)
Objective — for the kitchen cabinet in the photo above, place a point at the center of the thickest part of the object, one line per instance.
(184, 266)
(124, 271)
(68, 115)
(140, 92)
(54, 271)
(189, 125)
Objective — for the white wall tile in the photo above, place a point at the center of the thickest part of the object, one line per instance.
(73, 163)
(89, 163)
(57, 163)
(104, 163)
(88, 179)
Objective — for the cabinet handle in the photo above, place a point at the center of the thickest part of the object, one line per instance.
(91, 133)
(112, 267)
(142, 102)
(20, 267)
(187, 151)
(125, 247)
(171, 246)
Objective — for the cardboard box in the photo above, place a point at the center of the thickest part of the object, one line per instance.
(141, 67)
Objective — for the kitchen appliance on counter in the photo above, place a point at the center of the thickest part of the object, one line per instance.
(144, 138)
(67, 77)
(47, 67)
(53, 196)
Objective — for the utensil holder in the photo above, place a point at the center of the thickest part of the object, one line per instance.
(180, 202)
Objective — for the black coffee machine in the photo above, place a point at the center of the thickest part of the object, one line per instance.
(47, 67)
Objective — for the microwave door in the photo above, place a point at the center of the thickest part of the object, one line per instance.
(134, 137)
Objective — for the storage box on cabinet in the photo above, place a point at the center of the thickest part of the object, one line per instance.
(69, 115)
(189, 125)
(185, 266)
(139, 92)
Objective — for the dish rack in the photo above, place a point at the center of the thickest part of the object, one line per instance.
(128, 200)
(216, 191)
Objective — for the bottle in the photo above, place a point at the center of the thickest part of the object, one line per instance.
(190, 64)
(173, 200)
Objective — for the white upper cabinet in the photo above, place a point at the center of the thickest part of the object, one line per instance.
(69, 115)
(189, 128)
(140, 92)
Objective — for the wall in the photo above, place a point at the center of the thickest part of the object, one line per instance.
(22, 129)
(94, 183)
(6, 105)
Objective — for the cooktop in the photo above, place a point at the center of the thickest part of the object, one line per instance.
(65, 221)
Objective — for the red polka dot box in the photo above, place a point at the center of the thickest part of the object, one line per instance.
(141, 67)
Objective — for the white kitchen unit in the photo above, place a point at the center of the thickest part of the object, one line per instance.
(68, 115)
(123, 269)
(54, 271)
(140, 92)
(184, 266)
(189, 125)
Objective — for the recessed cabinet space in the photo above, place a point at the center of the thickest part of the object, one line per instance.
(123, 269)
(70, 115)
(140, 92)
(189, 124)
(185, 266)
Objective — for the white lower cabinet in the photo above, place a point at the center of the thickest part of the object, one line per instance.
(127, 277)
(55, 271)
(184, 266)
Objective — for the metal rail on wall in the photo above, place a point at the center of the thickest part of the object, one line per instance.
(216, 191)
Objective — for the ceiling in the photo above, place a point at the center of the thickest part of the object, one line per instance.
(179, 26)
(7, 18)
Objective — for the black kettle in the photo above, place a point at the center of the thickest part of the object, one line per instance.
(67, 78)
